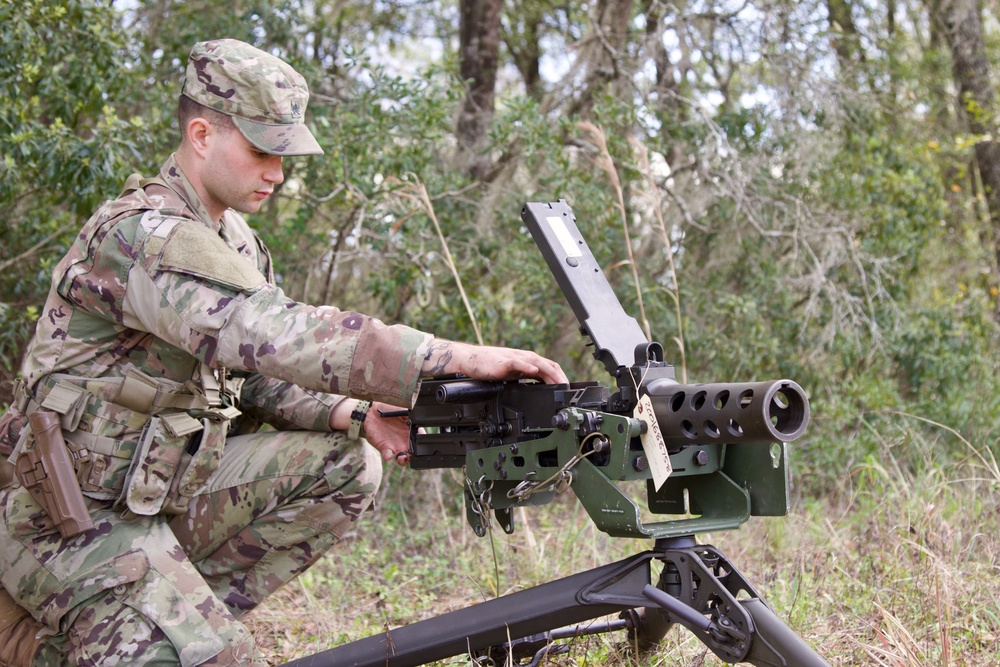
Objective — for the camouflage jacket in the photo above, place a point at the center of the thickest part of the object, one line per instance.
(152, 283)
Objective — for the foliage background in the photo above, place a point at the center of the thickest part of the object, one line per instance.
(816, 174)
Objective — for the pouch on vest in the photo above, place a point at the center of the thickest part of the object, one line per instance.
(202, 463)
(102, 463)
(156, 460)
(69, 402)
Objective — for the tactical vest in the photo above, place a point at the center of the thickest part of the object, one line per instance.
(166, 438)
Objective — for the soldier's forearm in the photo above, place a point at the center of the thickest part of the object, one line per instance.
(440, 359)
(340, 416)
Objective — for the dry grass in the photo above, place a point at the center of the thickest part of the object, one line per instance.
(898, 569)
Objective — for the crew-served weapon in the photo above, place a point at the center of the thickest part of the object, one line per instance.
(711, 456)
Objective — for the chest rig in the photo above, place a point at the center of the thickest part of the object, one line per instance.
(147, 444)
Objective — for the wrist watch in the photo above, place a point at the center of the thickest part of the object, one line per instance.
(358, 415)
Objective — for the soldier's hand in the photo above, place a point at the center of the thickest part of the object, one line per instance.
(389, 435)
(483, 362)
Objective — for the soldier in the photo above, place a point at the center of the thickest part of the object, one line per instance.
(163, 344)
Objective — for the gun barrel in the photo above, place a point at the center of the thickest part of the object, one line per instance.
(730, 412)
(467, 391)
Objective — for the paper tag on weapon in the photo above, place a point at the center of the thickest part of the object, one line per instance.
(652, 442)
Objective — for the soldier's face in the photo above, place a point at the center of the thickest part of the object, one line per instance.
(238, 176)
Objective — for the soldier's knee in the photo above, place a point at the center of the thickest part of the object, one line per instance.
(370, 477)
(350, 489)
(363, 469)
(150, 622)
(357, 470)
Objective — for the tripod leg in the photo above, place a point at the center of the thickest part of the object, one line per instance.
(700, 589)
(774, 643)
(647, 628)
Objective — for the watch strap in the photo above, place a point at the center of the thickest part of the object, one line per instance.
(358, 415)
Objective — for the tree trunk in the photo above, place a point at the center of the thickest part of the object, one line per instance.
(959, 22)
(603, 54)
(668, 78)
(844, 33)
(522, 38)
(479, 46)
(941, 111)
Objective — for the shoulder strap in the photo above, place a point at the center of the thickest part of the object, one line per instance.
(137, 182)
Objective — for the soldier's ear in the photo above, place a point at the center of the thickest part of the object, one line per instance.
(197, 133)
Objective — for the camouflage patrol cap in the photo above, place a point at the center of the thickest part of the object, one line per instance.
(263, 95)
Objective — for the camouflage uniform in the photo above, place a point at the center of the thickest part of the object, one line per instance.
(162, 326)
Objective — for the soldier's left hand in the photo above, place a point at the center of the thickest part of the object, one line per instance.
(389, 435)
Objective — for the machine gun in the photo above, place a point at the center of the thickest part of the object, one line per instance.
(711, 456)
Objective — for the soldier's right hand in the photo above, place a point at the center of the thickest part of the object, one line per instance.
(483, 362)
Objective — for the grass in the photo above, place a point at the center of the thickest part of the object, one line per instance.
(900, 567)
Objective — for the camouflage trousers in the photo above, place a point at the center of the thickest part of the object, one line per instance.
(169, 590)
